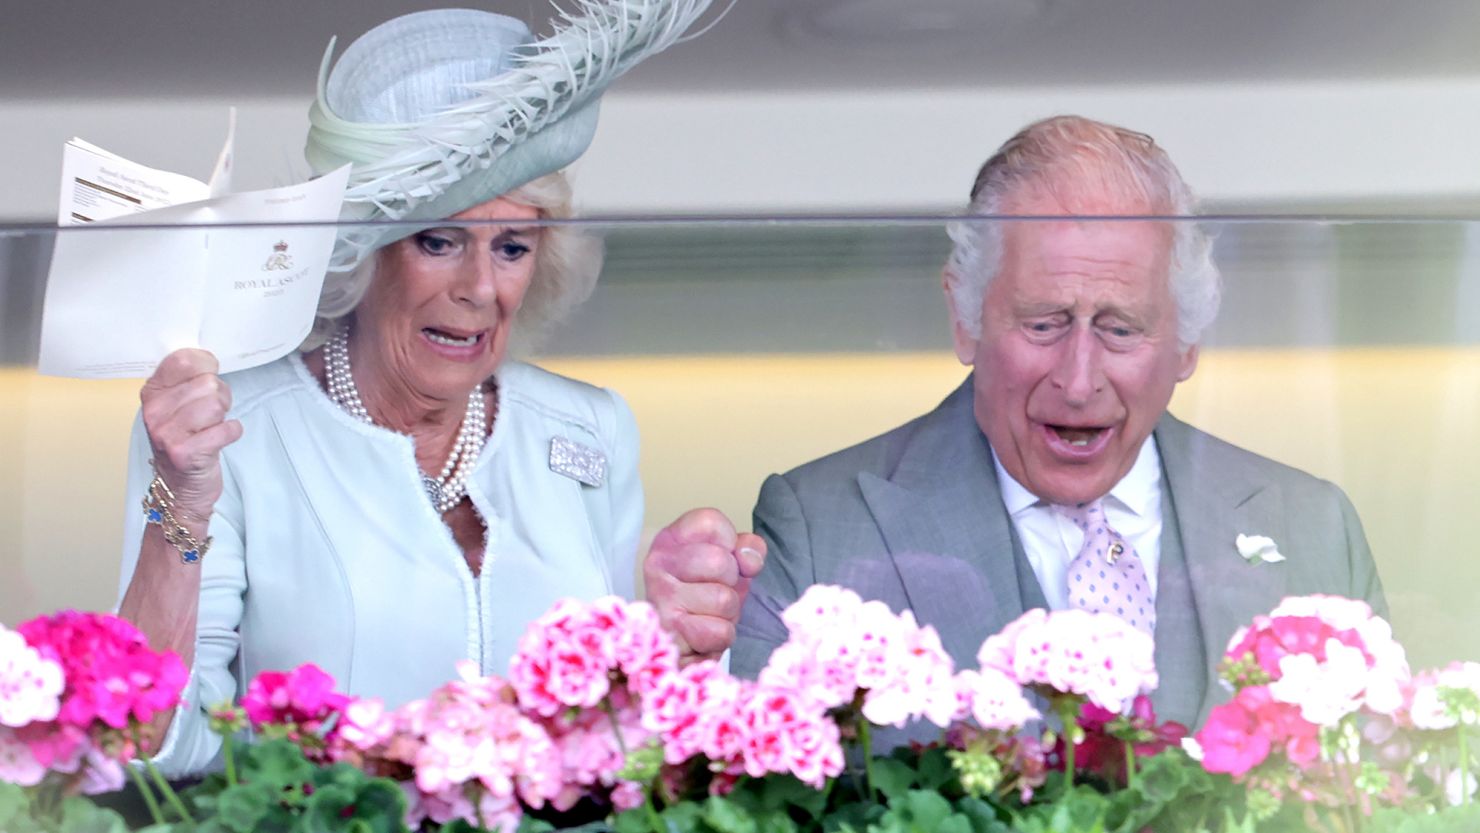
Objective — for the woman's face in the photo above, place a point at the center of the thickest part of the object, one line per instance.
(437, 315)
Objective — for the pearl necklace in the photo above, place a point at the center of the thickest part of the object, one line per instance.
(448, 488)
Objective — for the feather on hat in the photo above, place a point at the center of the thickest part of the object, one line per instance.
(441, 110)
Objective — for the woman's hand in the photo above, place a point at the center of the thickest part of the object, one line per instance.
(697, 575)
(184, 406)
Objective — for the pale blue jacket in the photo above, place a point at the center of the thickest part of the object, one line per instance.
(327, 550)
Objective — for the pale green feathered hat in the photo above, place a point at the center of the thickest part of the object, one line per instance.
(441, 110)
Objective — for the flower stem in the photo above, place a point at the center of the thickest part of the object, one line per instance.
(1068, 716)
(164, 786)
(147, 793)
(868, 758)
(654, 820)
(611, 713)
(1130, 764)
(229, 752)
(167, 791)
(1464, 767)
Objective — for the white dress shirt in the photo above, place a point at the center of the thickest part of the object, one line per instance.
(327, 549)
(1050, 540)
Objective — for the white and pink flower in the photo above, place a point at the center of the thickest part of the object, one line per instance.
(1097, 655)
(840, 645)
(1445, 698)
(994, 700)
(30, 685)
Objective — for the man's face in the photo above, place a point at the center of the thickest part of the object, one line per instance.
(1078, 353)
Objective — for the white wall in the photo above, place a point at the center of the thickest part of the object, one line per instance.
(850, 151)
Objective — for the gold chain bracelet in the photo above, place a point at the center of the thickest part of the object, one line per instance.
(159, 508)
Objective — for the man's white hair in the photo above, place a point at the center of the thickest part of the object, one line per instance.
(1071, 160)
(567, 262)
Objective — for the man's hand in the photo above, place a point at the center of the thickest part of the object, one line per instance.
(698, 573)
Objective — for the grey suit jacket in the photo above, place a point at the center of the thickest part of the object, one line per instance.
(914, 518)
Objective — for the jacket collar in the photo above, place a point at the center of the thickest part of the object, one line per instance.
(940, 513)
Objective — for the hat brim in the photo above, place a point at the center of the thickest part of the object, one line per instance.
(545, 151)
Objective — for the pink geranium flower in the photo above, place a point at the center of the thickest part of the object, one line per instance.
(590, 748)
(18, 764)
(742, 727)
(471, 750)
(574, 654)
(683, 708)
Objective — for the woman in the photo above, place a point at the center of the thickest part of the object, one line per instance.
(400, 497)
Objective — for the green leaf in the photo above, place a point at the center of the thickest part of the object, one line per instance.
(381, 805)
(777, 821)
(631, 821)
(926, 809)
(891, 778)
(726, 816)
(935, 770)
(240, 808)
(1163, 777)
(1086, 810)
(1447, 820)
(15, 809)
(80, 815)
(685, 817)
(984, 817)
(530, 824)
(780, 793)
(328, 809)
(855, 817)
(278, 764)
(1081, 811)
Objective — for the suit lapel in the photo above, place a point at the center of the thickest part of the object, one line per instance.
(1181, 654)
(1214, 501)
(941, 516)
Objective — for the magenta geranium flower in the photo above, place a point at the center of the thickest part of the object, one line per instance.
(111, 673)
(304, 697)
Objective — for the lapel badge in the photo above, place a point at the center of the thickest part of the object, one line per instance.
(578, 462)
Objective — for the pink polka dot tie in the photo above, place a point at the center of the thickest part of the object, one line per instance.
(1107, 576)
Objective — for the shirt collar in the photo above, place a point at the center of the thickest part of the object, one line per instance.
(1139, 491)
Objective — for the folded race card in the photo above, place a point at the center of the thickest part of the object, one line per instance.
(147, 262)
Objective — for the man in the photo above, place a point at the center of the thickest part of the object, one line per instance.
(1055, 466)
